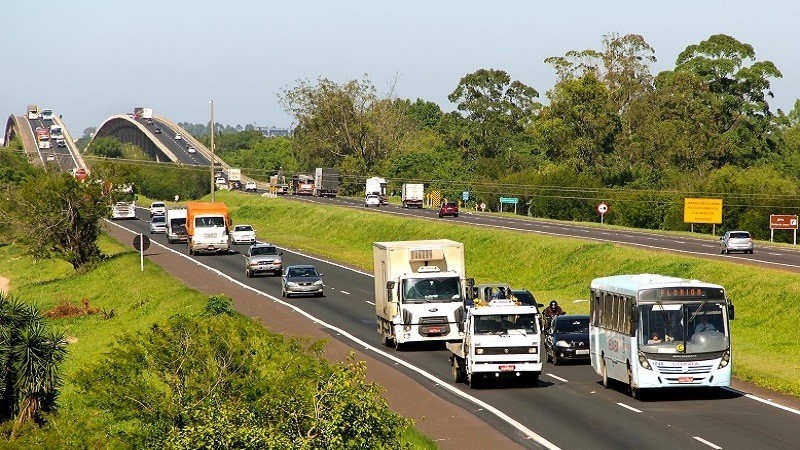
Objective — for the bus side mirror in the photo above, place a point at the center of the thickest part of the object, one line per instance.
(730, 311)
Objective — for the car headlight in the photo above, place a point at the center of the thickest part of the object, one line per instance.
(318, 283)
(291, 283)
(562, 344)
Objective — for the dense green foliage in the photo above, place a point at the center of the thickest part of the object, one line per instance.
(611, 130)
(111, 147)
(30, 357)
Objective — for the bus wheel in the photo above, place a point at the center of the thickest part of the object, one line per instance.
(605, 375)
(635, 392)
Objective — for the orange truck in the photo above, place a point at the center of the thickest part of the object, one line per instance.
(208, 227)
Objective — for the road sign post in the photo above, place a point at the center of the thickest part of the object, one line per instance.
(509, 200)
(782, 222)
(602, 209)
(141, 243)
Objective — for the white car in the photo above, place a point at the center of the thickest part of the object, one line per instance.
(191, 150)
(178, 137)
(251, 186)
(372, 200)
(51, 157)
(158, 209)
(243, 234)
(158, 224)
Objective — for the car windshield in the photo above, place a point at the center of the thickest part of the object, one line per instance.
(431, 289)
(158, 205)
(255, 251)
(572, 326)
(683, 328)
(243, 228)
(506, 324)
(740, 235)
(159, 219)
(298, 272)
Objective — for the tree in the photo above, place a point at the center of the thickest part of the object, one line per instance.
(54, 216)
(496, 108)
(30, 359)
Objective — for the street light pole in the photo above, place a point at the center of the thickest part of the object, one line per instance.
(212, 150)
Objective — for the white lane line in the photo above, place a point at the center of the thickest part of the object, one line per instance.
(629, 407)
(773, 254)
(444, 385)
(371, 303)
(764, 401)
(345, 292)
(563, 380)
(708, 443)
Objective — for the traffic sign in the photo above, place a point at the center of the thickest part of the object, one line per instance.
(602, 208)
(141, 241)
(510, 200)
(465, 196)
(782, 222)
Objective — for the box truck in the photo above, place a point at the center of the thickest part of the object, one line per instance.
(176, 225)
(412, 195)
(326, 182)
(419, 290)
(207, 227)
(376, 186)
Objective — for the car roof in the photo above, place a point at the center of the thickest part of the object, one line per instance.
(263, 244)
(301, 266)
(572, 317)
(158, 203)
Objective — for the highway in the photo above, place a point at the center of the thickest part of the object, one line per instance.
(177, 146)
(62, 158)
(569, 408)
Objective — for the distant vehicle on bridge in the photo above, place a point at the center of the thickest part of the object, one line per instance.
(47, 114)
(33, 112)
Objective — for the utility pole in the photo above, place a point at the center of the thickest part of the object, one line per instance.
(212, 151)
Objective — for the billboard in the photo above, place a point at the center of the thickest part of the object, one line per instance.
(702, 210)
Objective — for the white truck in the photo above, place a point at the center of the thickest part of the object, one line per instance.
(412, 195)
(234, 175)
(376, 186)
(123, 202)
(419, 290)
(147, 113)
(501, 340)
(176, 225)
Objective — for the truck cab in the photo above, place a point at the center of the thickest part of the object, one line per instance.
(501, 341)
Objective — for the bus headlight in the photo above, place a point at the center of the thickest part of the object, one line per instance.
(644, 362)
(726, 359)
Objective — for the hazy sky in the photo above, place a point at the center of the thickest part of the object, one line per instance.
(90, 59)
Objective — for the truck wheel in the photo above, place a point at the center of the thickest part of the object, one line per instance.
(398, 346)
(473, 381)
(533, 379)
(455, 371)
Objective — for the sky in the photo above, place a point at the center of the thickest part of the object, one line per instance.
(88, 59)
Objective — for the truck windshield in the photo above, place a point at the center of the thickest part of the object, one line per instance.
(420, 290)
(209, 222)
(506, 324)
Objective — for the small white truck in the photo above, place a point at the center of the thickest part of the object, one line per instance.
(419, 290)
(176, 225)
(413, 195)
(501, 340)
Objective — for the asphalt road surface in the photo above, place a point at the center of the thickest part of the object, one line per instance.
(569, 408)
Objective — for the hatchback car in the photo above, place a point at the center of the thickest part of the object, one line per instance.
(158, 224)
(262, 258)
(448, 209)
(567, 338)
(301, 280)
(372, 200)
(158, 209)
(243, 234)
(736, 241)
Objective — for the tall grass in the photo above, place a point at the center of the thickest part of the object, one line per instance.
(765, 342)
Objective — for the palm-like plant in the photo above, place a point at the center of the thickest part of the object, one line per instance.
(30, 356)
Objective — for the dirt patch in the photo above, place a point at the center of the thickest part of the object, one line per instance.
(66, 309)
(5, 285)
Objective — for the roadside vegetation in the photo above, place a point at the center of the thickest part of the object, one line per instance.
(553, 269)
(172, 368)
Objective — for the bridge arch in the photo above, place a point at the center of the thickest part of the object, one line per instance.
(130, 131)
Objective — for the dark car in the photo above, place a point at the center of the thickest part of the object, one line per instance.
(567, 339)
(157, 130)
(301, 280)
(525, 297)
(448, 209)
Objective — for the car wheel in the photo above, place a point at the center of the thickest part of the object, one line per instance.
(249, 273)
(455, 215)
(440, 215)
(283, 293)
(548, 356)
(556, 361)
(320, 295)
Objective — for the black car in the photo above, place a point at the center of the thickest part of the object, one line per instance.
(157, 130)
(567, 339)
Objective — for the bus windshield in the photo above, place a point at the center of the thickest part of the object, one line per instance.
(419, 290)
(683, 328)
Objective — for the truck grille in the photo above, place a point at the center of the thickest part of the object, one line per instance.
(506, 350)
(433, 326)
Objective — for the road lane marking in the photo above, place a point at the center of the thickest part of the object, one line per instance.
(708, 443)
(371, 303)
(764, 401)
(452, 389)
(563, 380)
(345, 292)
(629, 407)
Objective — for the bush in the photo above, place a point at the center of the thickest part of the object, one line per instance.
(219, 305)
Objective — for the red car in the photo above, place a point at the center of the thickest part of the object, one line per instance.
(448, 209)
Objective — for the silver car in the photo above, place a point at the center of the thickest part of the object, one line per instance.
(736, 241)
(301, 280)
(158, 224)
(262, 258)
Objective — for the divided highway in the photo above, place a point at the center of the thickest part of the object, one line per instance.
(568, 409)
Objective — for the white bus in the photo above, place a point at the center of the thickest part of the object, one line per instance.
(653, 331)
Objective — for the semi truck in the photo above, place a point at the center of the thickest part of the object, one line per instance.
(207, 227)
(412, 195)
(376, 186)
(326, 182)
(419, 290)
(501, 341)
(176, 225)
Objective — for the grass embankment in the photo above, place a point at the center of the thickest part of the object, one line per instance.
(124, 300)
(766, 348)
